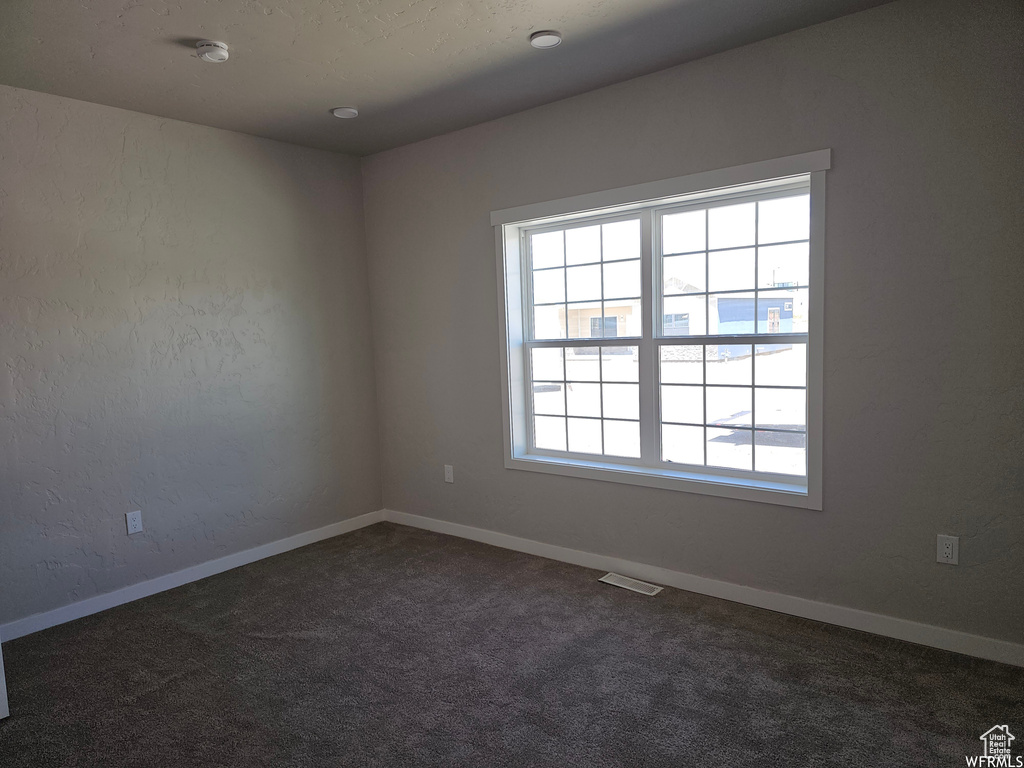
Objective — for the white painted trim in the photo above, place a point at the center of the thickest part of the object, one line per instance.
(875, 623)
(768, 179)
(816, 344)
(5, 709)
(777, 168)
(89, 606)
(887, 626)
(767, 492)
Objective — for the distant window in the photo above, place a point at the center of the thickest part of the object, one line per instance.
(609, 326)
(678, 324)
(670, 343)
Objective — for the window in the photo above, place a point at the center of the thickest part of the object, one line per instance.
(670, 334)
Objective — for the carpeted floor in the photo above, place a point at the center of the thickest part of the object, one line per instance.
(392, 646)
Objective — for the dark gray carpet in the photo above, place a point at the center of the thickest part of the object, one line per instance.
(396, 647)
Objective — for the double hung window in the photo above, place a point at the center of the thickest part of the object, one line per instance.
(672, 335)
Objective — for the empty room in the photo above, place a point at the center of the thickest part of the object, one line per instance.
(508, 383)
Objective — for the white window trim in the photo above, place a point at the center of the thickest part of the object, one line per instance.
(511, 315)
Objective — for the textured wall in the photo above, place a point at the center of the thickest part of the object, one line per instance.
(921, 104)
(184, 329)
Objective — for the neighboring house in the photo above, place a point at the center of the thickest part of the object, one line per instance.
(774, 314)
(734, 314)
(620, 319)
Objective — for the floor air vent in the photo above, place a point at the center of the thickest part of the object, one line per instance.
(627, 583)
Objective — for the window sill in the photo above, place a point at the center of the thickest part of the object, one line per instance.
(794, 494)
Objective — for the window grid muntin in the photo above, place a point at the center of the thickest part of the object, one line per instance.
(655, 213)
(564, 383)
(772, 244)
(707, 293)
(527, 247)
(752, 387)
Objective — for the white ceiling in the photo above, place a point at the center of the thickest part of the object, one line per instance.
(415, 68)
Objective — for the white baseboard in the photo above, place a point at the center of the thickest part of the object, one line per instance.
(38, 621)
(875, 623)
(5, 710)
(887, 626)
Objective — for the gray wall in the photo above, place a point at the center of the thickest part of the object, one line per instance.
(921, 104)
(184, 329)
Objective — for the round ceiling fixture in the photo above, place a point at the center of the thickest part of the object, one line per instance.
(547, 38)
(212, 51)
(345, 112)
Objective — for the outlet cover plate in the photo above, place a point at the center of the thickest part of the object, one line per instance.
(449, 473)
(133, 521)
(947, 549)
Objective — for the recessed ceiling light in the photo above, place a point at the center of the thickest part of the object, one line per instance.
(547, 38)
(212, 51)
(345, 112)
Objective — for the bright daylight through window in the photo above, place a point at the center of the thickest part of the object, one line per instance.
(671, 337)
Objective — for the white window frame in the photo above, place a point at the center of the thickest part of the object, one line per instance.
(509, 225)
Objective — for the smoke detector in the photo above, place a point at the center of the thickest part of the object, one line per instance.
(547, 38)
(211, 50)
(345, 112)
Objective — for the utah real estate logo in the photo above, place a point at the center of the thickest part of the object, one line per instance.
(997, 754)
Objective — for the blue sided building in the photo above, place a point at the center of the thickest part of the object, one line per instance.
(736, 313)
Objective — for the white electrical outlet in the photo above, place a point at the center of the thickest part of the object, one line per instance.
(134, 521)
(947, 549)
(449, 473)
